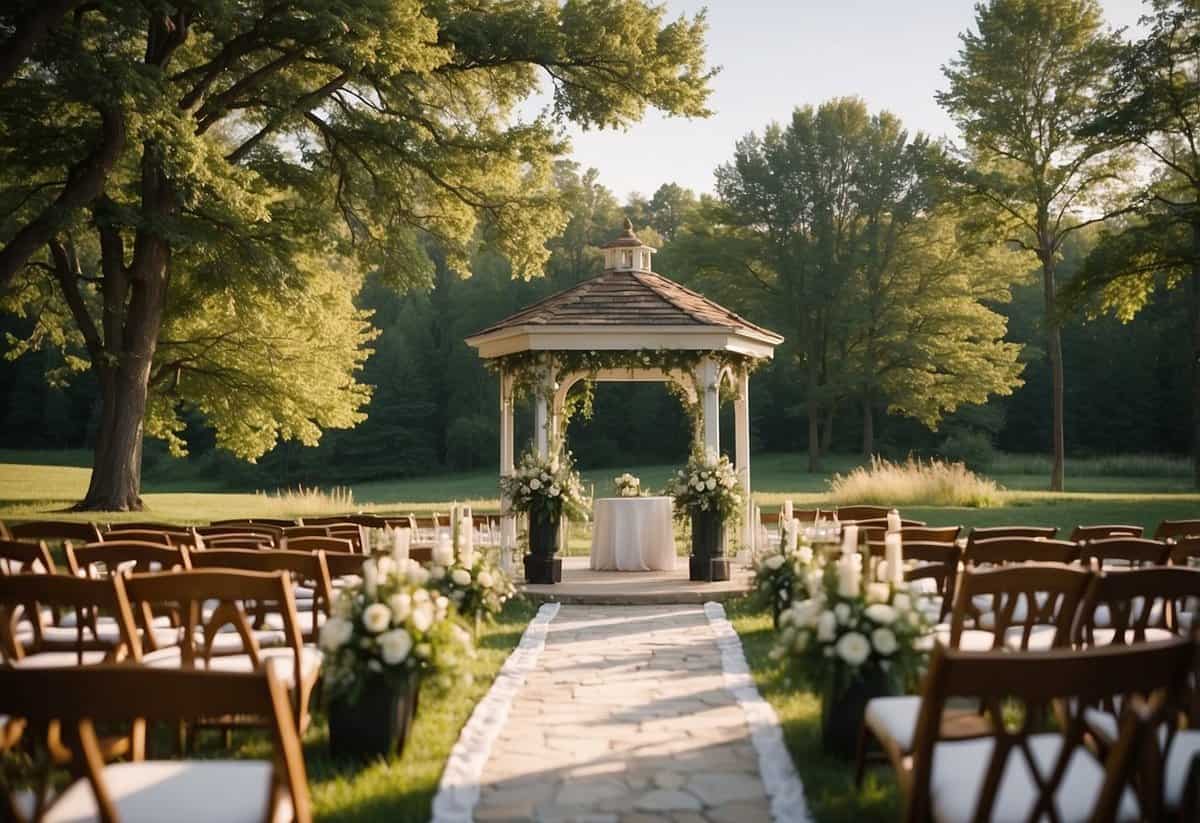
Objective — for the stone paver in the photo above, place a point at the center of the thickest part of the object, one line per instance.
(626, 718)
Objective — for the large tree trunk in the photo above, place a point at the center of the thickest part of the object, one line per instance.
(814, 418)
(117, 468)
(827, 431)
(1054, 353)
(868, 431)
(1194, 310)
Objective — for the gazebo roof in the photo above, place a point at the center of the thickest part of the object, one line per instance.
(625, 310)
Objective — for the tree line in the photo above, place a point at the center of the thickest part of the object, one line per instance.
(243, 229)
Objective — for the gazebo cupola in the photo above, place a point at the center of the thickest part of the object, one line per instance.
(627, 252)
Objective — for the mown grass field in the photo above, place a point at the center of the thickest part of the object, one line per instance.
(1103, 490)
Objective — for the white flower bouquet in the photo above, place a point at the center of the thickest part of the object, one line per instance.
(839, 628)
(392, 625)
(627, 485)
(547, 488)
(780, 572)
(478, 589)
(707, 483)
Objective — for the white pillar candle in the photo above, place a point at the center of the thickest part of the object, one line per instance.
(793, 534)
(785, 513)
(893, 521)
(466, 549)
(849, 538)
(401, 539)
(894, 555)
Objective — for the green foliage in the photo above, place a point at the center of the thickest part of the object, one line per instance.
(973, 449)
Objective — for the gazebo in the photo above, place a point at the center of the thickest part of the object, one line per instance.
(626, 324)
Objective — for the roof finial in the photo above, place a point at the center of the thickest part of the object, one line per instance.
(628, 227)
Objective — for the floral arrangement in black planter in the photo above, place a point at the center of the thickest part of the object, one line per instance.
(777, 570)
(475, 584)
(849, 640)
(707, 492)
(387, 635)
(547, 489)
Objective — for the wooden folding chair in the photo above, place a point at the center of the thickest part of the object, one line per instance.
(1082, 533)
(181, 791)
(239, 541)
(272, 534)
(323, 544)
(26, 557)
(1138, 605)
(211, 600)
(103, 628)
(310, 581)
(1014, 609)
(55, 531)
(857, 513)
(1021, 771)
(292, 532)
(1177, 529)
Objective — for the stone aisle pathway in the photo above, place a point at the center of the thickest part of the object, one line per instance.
(625, 719)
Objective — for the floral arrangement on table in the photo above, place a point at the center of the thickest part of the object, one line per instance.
(840, 628)
(547, 488)
(708, 484)
(476, 586)
(391, 624)
(627, 485)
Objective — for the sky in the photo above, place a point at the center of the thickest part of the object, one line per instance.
(775, 55)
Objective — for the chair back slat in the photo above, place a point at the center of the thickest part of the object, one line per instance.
(1126, 605)
(321, 544)
(856, 513)
(305, 568)
(1081, 533)
(26, 557)
(997, 532)
(276, 522)
(999, 551)
(1130, 551)
(55, 531)
(104, 559)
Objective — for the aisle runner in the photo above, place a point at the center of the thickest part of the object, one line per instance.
(458, 791)
(638, 713)
(774, 762)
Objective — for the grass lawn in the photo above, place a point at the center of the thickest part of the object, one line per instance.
(828, 781)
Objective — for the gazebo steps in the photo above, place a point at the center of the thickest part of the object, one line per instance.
(582, 586)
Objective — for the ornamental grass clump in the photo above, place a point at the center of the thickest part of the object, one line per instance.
(546, 488)
(915, 482)
(706, 484)
(839, 628)
(392, 625)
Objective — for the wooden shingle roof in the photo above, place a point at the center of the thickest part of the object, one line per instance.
(629, 298)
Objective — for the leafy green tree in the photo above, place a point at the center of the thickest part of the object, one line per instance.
(1023, 85)
(186, 187)
(828, 229)
(1155, 106)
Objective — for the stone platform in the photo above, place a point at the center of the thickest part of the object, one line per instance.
(581, 585)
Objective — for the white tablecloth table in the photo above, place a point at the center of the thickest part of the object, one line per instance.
(633, 534)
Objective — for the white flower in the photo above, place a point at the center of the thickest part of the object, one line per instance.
(385, 565)
(442, 554)
(423, 651)
(842, 612)
(826, 627)
(555, 491)
(422, 616)
(394, 646)
(437, 573)
(804, 554)
(853, 648)
(902, 602)
(884, 641)
(421, 596)
(699, 485)
(461, 577)
(376, 618)
(880, 613)
(401, 606)
(335, 633)
(417, 575)
(485, 579)
(535, 484)
(774, 562)
(878, 592)
(711, 483)
(524, 488)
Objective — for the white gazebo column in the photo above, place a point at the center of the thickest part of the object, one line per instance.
(741, 422)
(543, 423)
(508, 523)
(709, 378)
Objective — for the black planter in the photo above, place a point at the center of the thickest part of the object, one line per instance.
(541, 565)
(377, 724)
(842, 712)
(708, 547)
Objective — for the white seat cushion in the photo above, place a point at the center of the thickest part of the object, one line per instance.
(281, 660)
(1184, 747)
(894, 719)
(1102, 614)
(59, 660)
(234, 791)
(959, 768)
(105, 633)
(1103, 637)
(971, 640)
(1041, 638)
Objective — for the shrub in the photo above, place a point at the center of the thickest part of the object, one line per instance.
(914, 483)
(973, 449)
